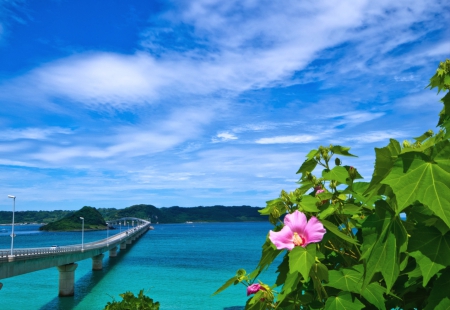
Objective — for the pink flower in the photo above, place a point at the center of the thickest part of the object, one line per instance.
(297, 231)
(320, 191)
(254, 288)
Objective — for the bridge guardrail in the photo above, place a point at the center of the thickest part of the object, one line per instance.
(33, 252)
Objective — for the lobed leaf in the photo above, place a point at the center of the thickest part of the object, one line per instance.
(343, 301)
(416, 176)
(431, 250)
(308, 204)
(352, 279)
(302, 259)
(308, 166)
(384, 161)
(338, 173)
(341, 150)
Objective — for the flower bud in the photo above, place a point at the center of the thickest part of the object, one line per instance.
(406, 144)
(333, 184)
(337, 161)
(352, 173)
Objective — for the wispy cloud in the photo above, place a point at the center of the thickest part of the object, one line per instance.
(223, 137)
(218, 100)
(376, 136)
(33, 133)
(288, 139)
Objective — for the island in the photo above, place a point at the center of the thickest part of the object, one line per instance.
(93, 220)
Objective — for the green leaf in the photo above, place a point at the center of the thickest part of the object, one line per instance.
(321, 271)
(327, 212)
(440, 298)
(290, 285)
(351, 280)
(273, 204)
(308, 204)
(424, 136)
(416, 176)
(431, 250)
(338, 173)
(269, 253)
(308, 166)
(301, 259)
(350, 209)
(384, 161)
(331, 228)
(427, 268)
(343, 301)
(312, 154)
(256, 302)
(341, 150)
(226, 285)
(384, 255)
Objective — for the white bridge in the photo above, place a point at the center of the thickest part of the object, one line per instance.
(32, 259)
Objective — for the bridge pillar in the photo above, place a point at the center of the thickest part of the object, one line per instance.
(129, 241)
(113, 252)
(97, 262)
(67, 279)
(123, 246)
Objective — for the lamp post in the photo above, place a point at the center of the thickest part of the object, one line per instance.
(82, 233)
(107, 234)
(128, 222)
(12, 230)
(120, 224)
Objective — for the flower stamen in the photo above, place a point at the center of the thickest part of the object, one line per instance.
(297, 239)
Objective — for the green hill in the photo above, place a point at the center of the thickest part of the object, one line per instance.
(93, 220)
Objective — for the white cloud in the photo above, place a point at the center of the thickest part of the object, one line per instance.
(441, 49)
(223, 137)
(289, 139)
(376, 136)
(354, 118)
(419, 100)
(33, 133)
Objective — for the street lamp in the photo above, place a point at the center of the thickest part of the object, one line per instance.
(128, 224)
(120, 224)
(82, 233)
(107, 234)
(12, 232)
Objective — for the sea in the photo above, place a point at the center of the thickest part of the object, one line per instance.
(178, 265)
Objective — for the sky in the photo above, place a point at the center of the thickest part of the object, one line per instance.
(111, 103)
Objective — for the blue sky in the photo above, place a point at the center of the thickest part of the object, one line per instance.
(111, 103)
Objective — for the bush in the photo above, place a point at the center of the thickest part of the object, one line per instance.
(131, 302)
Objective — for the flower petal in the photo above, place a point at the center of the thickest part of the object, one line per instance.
(314, 231)
(252, 289)
(282, 239)
(296, 221)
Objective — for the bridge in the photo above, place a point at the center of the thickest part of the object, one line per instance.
(32, 259)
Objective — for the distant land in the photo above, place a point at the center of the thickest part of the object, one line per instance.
(148, 212)
(93, 220)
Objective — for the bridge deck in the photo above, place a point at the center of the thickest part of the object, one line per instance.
(33, 259)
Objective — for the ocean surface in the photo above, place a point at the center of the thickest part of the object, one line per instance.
(179, 265)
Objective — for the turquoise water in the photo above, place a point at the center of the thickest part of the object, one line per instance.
(179, 265)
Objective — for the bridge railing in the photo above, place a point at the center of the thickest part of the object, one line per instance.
(114, 239)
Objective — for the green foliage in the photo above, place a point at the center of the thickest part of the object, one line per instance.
(131, 302)
(148, 212)
(92, 220)
(387, 244)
